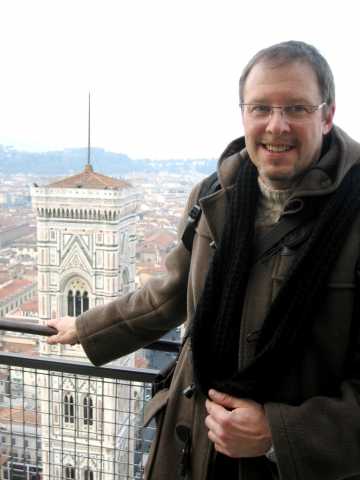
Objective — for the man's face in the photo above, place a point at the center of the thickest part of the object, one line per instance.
(283, 150)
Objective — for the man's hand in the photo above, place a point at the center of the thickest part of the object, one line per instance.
(237, 427)
(66, 331)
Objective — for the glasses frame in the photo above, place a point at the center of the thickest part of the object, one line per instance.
(282, 109)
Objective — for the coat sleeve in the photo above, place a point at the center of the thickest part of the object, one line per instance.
(137, 319)
(320, 439)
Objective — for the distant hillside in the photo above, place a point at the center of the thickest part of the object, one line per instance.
(73, 160)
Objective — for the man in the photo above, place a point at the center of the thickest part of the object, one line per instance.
(270, 369)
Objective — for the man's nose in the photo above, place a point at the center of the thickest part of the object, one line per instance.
(277, 122)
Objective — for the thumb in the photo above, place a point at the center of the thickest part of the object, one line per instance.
(225, 400)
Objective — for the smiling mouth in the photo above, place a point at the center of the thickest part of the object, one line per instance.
(277, 148)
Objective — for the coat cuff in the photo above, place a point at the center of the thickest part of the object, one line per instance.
(285, 451)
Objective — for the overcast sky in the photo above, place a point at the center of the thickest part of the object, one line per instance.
(163, 74)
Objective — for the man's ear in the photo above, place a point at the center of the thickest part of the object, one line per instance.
(329, 119)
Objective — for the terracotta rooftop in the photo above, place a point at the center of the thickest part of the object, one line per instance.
(161, 238)
(27, 311)
(19, 415)
(31, 306)
(14, 287)
(90, 179)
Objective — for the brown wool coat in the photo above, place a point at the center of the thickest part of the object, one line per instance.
(315, 417)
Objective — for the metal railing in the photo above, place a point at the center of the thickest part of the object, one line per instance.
(63, 419)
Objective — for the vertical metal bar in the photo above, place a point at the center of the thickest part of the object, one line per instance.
(62, 421)
(88, 421)
(49, 454)
(36, 408)
(22, 393)
(102, 396)
(76, 422)
(116, 413)
(128, 429)
(10, 417)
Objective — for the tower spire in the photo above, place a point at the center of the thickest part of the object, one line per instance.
(88, 156)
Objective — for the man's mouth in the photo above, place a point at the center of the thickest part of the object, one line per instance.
(277, 148)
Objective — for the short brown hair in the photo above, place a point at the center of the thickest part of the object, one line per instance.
(292, 51)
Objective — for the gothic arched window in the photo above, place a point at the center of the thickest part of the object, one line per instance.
(70, 303)
(69, 472)
(85, 302)
(69, 411)
(88, 411)
(77, 303)
(77, 297)
(88, 474)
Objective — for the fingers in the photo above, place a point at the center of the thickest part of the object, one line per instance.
(219, 427)
(215, 430)
(218, 444)
(217, 412)
(237, 427)
(66, 331)
(53, 339)
(216, 417)
(60, 337)
(228, 401)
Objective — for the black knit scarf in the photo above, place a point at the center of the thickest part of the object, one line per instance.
(216, 325)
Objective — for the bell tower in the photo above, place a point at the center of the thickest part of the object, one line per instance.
(86, 244)
(86, 257)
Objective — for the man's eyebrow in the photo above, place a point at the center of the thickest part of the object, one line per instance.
(289, 101)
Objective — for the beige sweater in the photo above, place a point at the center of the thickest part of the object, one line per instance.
(271, 205)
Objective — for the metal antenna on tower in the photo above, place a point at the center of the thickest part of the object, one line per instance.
(88, 159)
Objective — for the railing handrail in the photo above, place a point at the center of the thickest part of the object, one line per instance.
(59, 364)
(26, 327)
(36, 329)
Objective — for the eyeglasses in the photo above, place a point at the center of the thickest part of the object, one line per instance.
(292, 113)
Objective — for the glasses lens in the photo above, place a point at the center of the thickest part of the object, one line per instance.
(296, 112)
(259, 111)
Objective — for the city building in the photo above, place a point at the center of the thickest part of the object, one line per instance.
(86, 257)
(15, 292)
